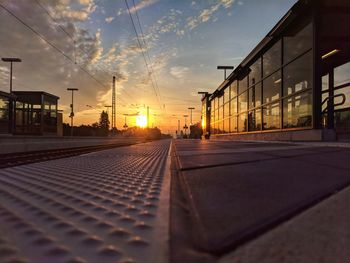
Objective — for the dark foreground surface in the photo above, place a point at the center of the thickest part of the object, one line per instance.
(208, 201)
(227, 194)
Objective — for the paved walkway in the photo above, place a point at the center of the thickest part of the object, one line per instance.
(99, 207)
(227, 202)
(230, 194)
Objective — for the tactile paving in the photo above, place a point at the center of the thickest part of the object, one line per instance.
(98, 207)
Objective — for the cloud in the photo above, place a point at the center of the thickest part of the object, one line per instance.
(179, 72)
(206, 15)
(109, 19)
(142, 4)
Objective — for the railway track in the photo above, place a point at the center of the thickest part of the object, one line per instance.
(15, 159)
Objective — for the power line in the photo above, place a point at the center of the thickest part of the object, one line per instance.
(143, 54)
(146, 50)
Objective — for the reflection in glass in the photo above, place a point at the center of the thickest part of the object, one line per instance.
(233, 124)
(255, 73)
(271, 116)
(227, 125)
(254, 120)
(227, 110)
(325, 82)
(272, 59)
(298, 75)
(272, 87)
(296, 42)
(243, 102)
(226, 96)
(297, 111)
(338, 100)
(233, 106)
(342, 75)
(243, 84)
(233, 89)
(243, 122)
(254, 96)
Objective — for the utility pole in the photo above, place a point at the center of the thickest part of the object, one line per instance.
(71, 116)
(178, 126)
(114, 120)
(191, 108)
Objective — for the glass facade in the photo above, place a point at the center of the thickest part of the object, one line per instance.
(275, 93)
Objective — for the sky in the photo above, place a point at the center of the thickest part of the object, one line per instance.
(83, 43)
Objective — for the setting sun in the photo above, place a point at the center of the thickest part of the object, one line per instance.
(141, 121)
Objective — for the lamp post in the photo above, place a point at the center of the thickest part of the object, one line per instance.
(185, 127)
(191, 108)
(11, 104)
(225, 68)
(11, 60)
(71, 116)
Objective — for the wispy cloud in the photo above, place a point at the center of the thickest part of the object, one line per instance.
(179, 72)
(109, 19)
(142, 4)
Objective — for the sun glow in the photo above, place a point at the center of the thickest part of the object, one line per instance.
(141, 121)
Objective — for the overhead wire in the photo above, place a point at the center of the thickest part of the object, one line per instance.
(146, 50)
(143, 54)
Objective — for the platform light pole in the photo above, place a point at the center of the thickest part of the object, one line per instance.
(11, 60)
(185, 127)
(225, 68)
(191, 108)
(11, 104)
(71, 116)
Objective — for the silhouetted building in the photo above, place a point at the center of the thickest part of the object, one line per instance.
(29, 112)
(35, 113)
(6, 101)
(295, 84)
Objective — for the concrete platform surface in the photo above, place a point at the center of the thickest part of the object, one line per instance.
(234, 192)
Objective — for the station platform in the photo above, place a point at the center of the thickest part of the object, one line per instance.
(180, 201)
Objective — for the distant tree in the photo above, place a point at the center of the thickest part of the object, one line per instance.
(104, 123)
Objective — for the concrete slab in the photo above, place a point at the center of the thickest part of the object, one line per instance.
(229, 205)
(320, 234)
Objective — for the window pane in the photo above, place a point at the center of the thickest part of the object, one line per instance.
(233, 124)
(243, 84)
(272, 59)
(325, 82)
(233, 89)
(243, 102)
(254, 120)
(342, 75)
(255, 96)
(297, 111)
(296, 42)
(227, 95)
(255, 74)
(298, 75)
(227, 110)
(4, 115)
(234, 106)
(227, 125)
(4, 103)
(271, 116)
(338, 100)
(272, 87)
(242, 122)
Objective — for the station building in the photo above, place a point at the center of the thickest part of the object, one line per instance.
(29, 113)
(294, 85)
